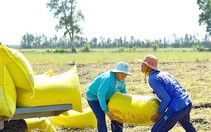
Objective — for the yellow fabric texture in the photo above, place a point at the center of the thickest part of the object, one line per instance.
(7, 93)
(133, 109)
(41, 124)
(52, 90)
(40, 77)
(19, 67)
(50, 72)
(75, 119)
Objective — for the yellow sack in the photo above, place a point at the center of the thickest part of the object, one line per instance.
(7, 93)
(133, 109)
(51, 90)
(41, 124)
(50, 72)
(18, 67)
(75, 119)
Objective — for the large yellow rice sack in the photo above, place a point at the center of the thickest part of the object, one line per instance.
(7, 93)
(19, 67)
(52, 90)
(133, 109)
(41, 124)
(75, 119)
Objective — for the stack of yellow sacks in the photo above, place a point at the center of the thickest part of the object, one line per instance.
(16, 73)
(19, 85)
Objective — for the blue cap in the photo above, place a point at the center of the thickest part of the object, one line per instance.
(122, 67)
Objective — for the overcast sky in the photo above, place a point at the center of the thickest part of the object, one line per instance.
(143, 19)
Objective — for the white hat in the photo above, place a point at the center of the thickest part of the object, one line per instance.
(122, 67)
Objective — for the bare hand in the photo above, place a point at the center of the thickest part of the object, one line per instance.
(110, 115)
(155, 117)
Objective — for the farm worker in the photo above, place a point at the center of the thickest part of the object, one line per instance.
(175, 103)
(102, 89)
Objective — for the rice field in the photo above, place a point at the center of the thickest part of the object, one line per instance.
(192, 70)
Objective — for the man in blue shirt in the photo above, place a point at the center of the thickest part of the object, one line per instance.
(175, 103)
(102, 89)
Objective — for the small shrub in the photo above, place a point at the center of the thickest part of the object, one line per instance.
(120, 50)
(48, 51)
(85, 48)
(154, 47)
(198, 48)
(59, 50)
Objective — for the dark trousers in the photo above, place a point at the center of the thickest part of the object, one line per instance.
(170, 118)
(101, 120)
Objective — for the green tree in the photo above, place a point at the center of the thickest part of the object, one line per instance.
(27, 41)
(154, 47)
(205, 15)
(93, 42)
(69, 18)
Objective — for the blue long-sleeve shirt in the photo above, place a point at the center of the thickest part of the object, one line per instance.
(172, 95)
(104, 87)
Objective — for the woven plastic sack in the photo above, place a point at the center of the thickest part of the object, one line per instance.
(75, 119)
(133, 109)
(7, 93)
(18, 66)
(39, 124)
(52, 90)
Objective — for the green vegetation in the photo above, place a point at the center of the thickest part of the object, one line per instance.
(41, 41)
(69, 18)
(85, 48)
(205, 15)
(111, 55)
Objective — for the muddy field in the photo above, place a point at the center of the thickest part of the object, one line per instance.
(194, 76)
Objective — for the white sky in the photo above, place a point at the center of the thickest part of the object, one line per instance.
(143, 19)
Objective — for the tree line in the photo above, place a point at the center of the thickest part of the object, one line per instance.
(41, 41)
